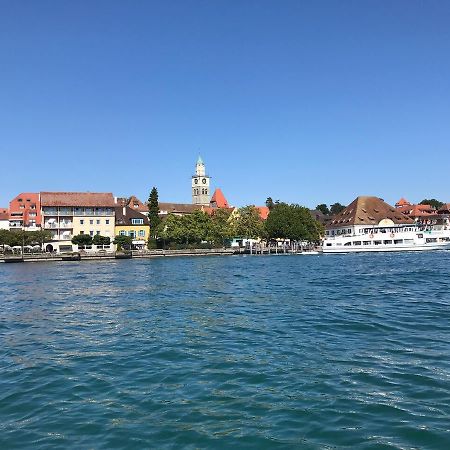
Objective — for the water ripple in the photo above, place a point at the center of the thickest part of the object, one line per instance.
(338, 351)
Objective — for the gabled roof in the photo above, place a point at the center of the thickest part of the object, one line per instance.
(78, 199)
(124, 217)
(218, 200)
(366, 210)
(402, 202)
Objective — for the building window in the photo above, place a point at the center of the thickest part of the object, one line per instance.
(19, 199)
(107, 221)
(98, 221)
(81, 221)
(137, 221)
(142, 233)
(122, 232)
(81, 232)
(98, 233)
(132, 234)
(91, 233)
(91, 221)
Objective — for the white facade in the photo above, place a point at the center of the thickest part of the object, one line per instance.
(200, 185)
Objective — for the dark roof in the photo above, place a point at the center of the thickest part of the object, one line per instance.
(130, 213)
(178, 208)
(368, 211)
(77, 199)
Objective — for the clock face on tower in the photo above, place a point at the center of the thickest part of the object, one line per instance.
(196, 180)
(204, 181)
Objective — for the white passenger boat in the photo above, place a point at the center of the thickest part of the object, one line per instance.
(388, 239)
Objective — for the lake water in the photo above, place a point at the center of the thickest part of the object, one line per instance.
(310, 352)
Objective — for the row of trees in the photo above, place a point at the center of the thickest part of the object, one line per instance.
(24, 238)
(285, 221)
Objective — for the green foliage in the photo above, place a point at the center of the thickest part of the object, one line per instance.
(248, 223)
(123, 242)
(293, 222)
(82, 240)
(269, 202)
(101, 240)
(153, 211)
(323, 208)
(336, 208)
(221, 228)
(197, 228)
(436, 204)
(22, 237)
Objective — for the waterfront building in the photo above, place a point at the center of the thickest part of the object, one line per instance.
(24, 212)
(67, 214)
(130, 222)
(364, 213)
(4, 219)
(200, 185)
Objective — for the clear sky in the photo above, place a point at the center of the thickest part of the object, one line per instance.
(305, 101)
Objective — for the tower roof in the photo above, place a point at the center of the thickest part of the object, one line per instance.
(200, 160)
(218, 200)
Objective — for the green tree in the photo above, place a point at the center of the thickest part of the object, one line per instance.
(323, 208)
(82, 240)
(248, 223)
(101, 240)
(40, 237)
(153, 211)
(293, 222)
(336, 208)
(436, 204)
(269, 202)
(221, 229)
(123, 242)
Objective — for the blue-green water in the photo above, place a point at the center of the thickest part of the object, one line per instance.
(332, 351)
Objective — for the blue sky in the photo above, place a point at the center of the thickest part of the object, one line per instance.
(307, 102)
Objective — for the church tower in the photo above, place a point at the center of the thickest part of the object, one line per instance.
(200, 184)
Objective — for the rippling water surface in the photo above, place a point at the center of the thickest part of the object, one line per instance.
(331, 351)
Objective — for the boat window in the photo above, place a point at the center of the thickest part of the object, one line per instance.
(387, 242)
(377, 242)
(398, 241)
(328, 245)
(348, 243)
(356, 242)
(366, 242)
(409, 241)
(431, 240)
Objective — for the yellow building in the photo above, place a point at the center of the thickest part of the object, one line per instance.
(134, 224)
(67, 214)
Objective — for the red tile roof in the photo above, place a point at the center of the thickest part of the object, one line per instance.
(4, 214)
(366, 210)
(218, 200)
(78, 199)
(402, 202)
(263, 211)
